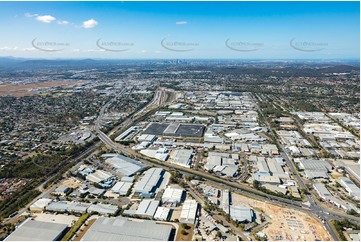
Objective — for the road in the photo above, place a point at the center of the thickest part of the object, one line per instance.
(199, 198)
(315, 208)
(50, 189)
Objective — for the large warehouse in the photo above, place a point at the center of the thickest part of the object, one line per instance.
(31, 230)
(149, 183)
(122, 229)
(175, 129)
(124, 165)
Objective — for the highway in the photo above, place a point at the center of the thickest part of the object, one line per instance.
(314, 210)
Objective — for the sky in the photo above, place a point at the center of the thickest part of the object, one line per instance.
(182, 30)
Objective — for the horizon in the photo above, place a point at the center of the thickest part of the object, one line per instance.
(181, 30)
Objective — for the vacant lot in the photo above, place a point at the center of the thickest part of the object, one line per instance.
(30, 89)
(285, 223)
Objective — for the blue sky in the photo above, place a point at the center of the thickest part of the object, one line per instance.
(265, 30)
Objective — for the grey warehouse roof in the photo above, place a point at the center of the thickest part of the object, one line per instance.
(120, 229)
(125, 165)
(32, 230)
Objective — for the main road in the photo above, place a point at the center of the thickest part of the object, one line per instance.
(159, 100)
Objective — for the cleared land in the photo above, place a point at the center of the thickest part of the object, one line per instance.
(284, 223)
(30, 89)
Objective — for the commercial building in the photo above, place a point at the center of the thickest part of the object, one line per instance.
(172, 195)
(189, 212)
(149, 183)
(31, 230)
(123, 229)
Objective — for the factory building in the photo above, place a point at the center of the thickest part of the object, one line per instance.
(31, 230)
(350, 187)
(124, 165)
(149, 183)
(172, 195)
(162, 214)
(40, 204)
(102, 178)
(123, 229)
(189, 212)
(241, 214)
(121, 188)
(182, 157)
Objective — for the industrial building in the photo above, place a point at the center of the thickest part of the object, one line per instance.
(172, 195)
(64, 206)
(325, 194)
(226, 201)
(162, 213)
(104, 209)
(149, 183)
(124, 165)
(189, 212)
(123, 229)
(126, 135)
(31, 230)
(121, 188)
(102, 178)
(222, 163)
(351, 188)
(182, 157)
(40, 204)
(146, 209)
(175, 129)
(241, 214)
(314, 168)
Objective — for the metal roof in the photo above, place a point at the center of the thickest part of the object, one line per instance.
(122, 229)
(149, 181)
(31, 230)
(103, 208)
(125, 165)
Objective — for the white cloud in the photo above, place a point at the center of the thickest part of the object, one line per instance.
(29, 15)
(9, 48)
(15, 48)
(45, 18)
(91, 23)
(181, 22)
(63, 22)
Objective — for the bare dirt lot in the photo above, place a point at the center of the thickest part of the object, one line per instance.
(285, 223)
(71, 183)
(30, 89)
